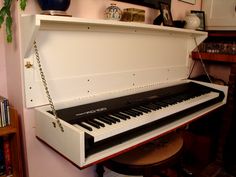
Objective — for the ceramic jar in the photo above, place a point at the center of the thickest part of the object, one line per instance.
(192, 21)
(113, 12)
(57, 5)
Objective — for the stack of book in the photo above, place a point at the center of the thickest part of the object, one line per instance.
(4, 112)
(5, 152)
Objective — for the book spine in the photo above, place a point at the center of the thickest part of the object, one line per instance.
(4, 112)
(0, 115)
(7, 156)
(2, 158)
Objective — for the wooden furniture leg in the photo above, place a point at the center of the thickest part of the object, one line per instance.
(100, 170)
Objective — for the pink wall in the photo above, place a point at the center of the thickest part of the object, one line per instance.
(40, 160)
(183, 8)
(3, 81)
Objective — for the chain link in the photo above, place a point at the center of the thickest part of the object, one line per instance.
(43, 78)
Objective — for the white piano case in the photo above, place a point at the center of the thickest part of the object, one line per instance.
(86, 60)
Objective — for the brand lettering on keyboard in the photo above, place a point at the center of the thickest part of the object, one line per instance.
(91, 111)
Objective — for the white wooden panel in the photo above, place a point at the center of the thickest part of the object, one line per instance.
(80, 63)
(70, 143)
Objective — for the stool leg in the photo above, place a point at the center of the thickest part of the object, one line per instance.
(100, 170)
(147, 172)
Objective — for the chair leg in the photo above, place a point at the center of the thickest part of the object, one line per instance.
(147, 172)
(100, 170)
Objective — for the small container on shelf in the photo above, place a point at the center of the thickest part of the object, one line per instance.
(113, 12)
(192, 21)
(133, 15)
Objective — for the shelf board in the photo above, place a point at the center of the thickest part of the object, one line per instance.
(7, 130)
(215, 57)
(31, 24)
(222, 33)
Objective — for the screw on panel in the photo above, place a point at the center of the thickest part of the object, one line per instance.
(28, 65)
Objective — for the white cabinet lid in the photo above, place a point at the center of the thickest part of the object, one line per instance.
(85, 58)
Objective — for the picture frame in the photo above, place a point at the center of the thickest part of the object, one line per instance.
(166, 14)
(189, 1)
(201, 16)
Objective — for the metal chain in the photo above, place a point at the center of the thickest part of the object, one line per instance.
(43, 78)
(203, 65)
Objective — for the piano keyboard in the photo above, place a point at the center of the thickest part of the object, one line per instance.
(112, 124)
(111, 118)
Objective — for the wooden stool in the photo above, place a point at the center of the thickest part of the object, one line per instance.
(149, 159)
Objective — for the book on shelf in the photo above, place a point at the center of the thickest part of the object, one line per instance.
(5, 157)
(4, 112)
(2, 158)
(218, 47)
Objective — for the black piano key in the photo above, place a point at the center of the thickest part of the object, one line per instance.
(121, 116)
(179, 98)
(204, 91)
(114, 118)
(161, 104)
(85, 126)
(169, 101)
(144, 109)
(130, 113)
(176, 99)
(127, 116)
(92, 124)
(99, 123)
(139, 111)
(122, 112)
(112, 115)
(104, 120)
(110, 119)
(187, 96)
(153, 106)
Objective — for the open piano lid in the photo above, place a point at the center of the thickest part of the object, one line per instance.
(84, 58)
(88, 60)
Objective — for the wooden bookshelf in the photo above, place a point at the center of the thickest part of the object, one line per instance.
(227, 124)
(217, 37)
(13, 133)
(215, 57)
